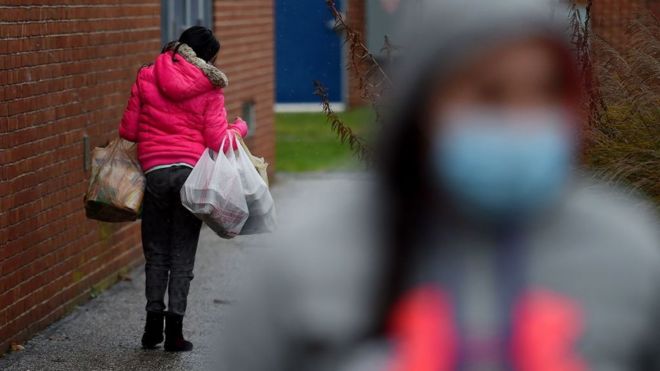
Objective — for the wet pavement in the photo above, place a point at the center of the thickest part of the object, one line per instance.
(104, 334)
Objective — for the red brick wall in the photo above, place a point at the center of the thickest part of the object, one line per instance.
(612, 17)
(65, 72)
(356, 15)
(245, 29)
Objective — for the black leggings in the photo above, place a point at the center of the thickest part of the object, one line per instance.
(169, 238)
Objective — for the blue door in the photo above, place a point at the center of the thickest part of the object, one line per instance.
(307, 49)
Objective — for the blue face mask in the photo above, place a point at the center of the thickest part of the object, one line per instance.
(504, 165)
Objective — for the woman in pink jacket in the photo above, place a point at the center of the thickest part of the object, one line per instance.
(176, 111)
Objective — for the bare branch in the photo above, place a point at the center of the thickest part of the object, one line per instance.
(345, 133)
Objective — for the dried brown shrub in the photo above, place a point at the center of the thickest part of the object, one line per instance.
(346, 135)
(623, 135)
(372, 82)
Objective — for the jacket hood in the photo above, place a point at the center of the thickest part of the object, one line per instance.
(184, 75)
(438, 37)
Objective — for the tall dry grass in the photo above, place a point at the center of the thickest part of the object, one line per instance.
(623, 134)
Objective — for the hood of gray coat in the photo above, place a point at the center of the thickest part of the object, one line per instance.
(439, 36)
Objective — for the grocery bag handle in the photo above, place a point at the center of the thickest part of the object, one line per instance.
(242, 142)
(114, 143)
(213, 154)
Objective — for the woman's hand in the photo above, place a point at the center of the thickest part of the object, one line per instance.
(240, 126)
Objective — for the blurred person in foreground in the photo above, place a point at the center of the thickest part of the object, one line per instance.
(494, 251)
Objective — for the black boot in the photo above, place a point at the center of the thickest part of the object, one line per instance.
(153, 330)
(174, 341)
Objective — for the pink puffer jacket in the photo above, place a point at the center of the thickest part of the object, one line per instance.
(177, 110)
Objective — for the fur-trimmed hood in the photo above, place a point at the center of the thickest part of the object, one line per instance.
(183, 75)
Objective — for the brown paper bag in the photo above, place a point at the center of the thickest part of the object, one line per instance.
(116, 186)
(259, 163)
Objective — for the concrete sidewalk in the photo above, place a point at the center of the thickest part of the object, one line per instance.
(104, 334)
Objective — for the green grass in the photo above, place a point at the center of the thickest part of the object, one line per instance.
(306, 142)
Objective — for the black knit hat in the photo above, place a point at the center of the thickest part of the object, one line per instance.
(202, 41)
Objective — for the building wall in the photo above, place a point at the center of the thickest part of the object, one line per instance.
(66, 73)
(356, 16)
(245, 30)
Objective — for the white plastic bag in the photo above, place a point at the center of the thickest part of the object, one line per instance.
(259, 201)
(214, 193)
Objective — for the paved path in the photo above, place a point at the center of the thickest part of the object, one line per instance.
(104, 334)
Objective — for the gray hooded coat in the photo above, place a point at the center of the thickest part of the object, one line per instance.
(312, 297)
